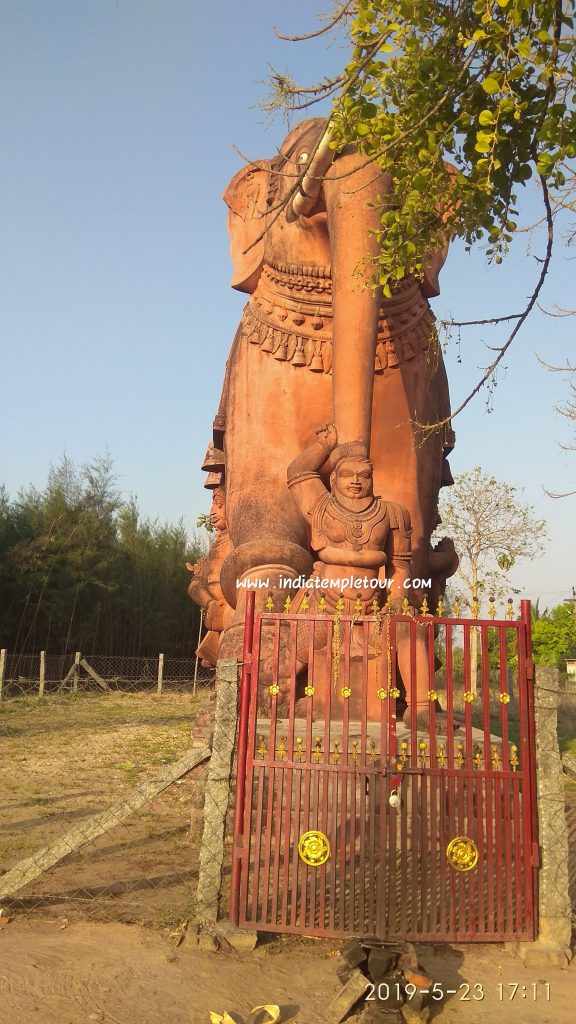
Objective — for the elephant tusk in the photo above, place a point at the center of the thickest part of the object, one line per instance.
(309, 188)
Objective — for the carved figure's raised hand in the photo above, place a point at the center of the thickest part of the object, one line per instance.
(327, 436)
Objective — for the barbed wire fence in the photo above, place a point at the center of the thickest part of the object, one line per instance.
(44, 673)
(102, 790)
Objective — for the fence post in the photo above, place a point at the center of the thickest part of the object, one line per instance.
(160, 672)
(2, 669)
(42, 675)
(77, 659)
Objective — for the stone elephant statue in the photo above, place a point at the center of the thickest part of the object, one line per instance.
(316, 344)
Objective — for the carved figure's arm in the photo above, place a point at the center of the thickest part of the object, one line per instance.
(198, 589)
(303, 477)
(399, 550)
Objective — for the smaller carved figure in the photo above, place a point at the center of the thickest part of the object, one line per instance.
(354, 533)
(204, 588)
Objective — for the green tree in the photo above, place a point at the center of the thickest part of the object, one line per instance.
(485, 86)
(81, 570)
(554, 637)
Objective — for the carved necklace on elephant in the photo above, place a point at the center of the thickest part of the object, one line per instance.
(290, 318)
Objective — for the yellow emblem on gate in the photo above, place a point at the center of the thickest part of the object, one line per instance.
(462, 853)
(314, 848)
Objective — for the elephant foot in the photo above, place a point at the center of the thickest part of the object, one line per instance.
(422, 720)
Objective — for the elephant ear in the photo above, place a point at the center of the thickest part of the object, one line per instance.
(431, 272)
(246, 199)
(434, 262)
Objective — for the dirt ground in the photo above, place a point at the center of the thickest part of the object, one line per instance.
(95, 938)
(55, 973)
(68, 757)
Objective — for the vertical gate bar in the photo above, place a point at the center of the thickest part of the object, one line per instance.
(443, 888)
(294, 887)
(529, 785)
(390, 816)
(336, 781)
(289, 825)
(393, 672)
(392, 876)
(382, 684)
(331, 671)
(413, 695)
(333, 859)
(363, 779)
(507, 843)
(485, 884)
(409, 801)
(468, 689)
(377, 829)
(449, 698)
(460, 784)
(344, 818)
(342, 850)
(314, 814)
(501, 788)
(239, 810)
(352, 873)
(302, 870)
(352, 813)
(274, 701)
(503, 688)
(499, 785)
(450, 829)
(414, 860)
(522, 858)
(421, 924)
(433, 781)
(272, 779)
(292, 695)
(522, 819)
(431, 689)
(443, 791)
(344, 703)
(323, 870)
(246, 875)
(372, 894)
(260, 776)
(279, 778)
(468, 781)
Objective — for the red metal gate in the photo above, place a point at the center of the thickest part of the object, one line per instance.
(350, 822)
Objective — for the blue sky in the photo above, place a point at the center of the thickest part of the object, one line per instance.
(119, 119)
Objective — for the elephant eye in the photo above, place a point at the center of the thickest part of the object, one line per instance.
(303, 158)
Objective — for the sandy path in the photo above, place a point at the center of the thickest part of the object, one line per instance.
(120, 974)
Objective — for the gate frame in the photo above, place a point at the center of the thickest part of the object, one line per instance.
(528, 821)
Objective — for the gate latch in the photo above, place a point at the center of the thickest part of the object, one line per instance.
(395, 799)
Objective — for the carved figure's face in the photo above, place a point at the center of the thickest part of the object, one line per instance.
(353, 479)
(218, 510)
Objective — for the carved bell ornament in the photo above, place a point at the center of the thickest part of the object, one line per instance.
(214, 480)
(299, 357)
(447, 479)
(213, 460)
(281, 353)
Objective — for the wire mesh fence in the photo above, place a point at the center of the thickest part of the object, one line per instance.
(97, 791)
(46, 673)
